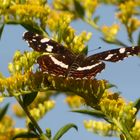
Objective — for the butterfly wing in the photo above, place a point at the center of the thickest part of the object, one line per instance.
(83, 68)
(64, 63)
(54, 64)
(92, 65)
(59, 65)
(41, 44)
(115, 55)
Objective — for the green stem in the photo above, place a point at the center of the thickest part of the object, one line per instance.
(123, 129)
(30, 117)
(91, 23)
(95, 26)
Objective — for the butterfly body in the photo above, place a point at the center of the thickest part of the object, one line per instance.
(60, 61)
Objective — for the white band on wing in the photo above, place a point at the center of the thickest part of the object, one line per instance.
(88, 67)
(59, 63)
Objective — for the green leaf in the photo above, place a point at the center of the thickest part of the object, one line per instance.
(13, 22)
(30, 27)
(105, 40)
(109, 85)
(32, 128)
(34, 28)
(85, 50)
(3, 111)
(29, 98)
(63, 130)
(137, 104)
(138, 42)
(22, 1)
(115, 42)
(1, 30)
(79, 9)
(25, 135)
(95, 113)
(122, 137)
(48, 133)
(96, 19)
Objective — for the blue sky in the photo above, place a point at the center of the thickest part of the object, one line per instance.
(125, 74)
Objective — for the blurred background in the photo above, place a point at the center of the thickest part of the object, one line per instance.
(125, 75)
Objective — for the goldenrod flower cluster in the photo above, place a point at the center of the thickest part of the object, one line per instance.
(89, 6)
(118, 111)
(100, 127)
(41, 98)
(13, 85)
(41, 109)
(22, 79)
(58, 23)
(121, 116)
(74, 101)
(1, 99)
(18, 111)
(78, 43)
(26, 13)
(127, 9)
(127, 15)
(136, 130)
(110, 32)
(22, 62)
(20, 84)
(6, 128)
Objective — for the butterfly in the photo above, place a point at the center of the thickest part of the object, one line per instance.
(61, 61)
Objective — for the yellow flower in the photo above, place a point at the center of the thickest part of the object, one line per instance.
(6, 124)
(58, 21)
(1, 99)
(110, 32)
(26, 12)
(19, 112)
(41, 109)
(118, 111)
(127, 9)
(35, 2)
(2, 88)
(79, 41)
(133, 25)
(74, 101)
(136, 130)
(90, 7)
(61, 5)
(99, 127)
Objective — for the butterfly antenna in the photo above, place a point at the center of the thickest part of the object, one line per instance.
(94, 49)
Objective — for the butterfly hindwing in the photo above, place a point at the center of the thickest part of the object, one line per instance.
(54, 64)
(61, 66)
(87, 71)
(82, 68)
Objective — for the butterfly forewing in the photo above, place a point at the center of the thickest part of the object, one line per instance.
(42, 44)
(115, 54)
